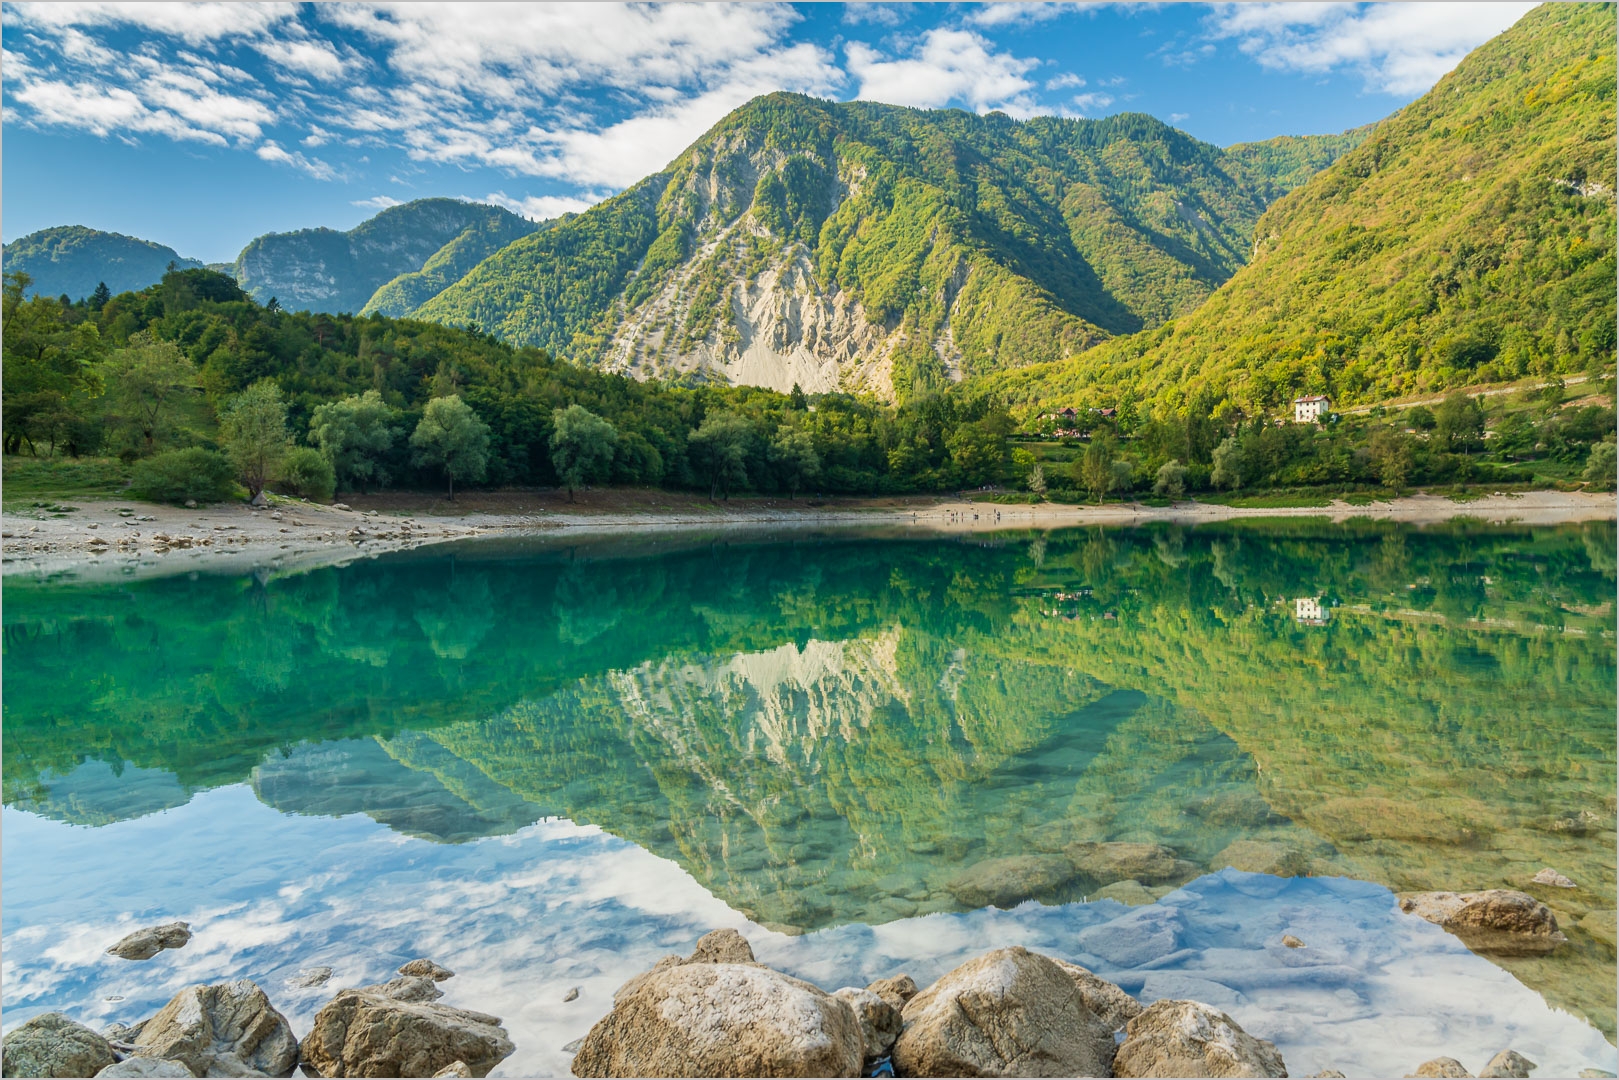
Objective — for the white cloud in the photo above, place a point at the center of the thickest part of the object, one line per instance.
(103, 110)
(377, 202)
(1399, 48)
(1064, 81)
(315, 167)
(318, 136)
(195, 23)
(538, 207)
(874, 14)
(946, 66)
(312, 57)
(1012, 14)
(1177, 117)
(1092, 102)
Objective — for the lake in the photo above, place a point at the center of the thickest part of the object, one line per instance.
(546, 764)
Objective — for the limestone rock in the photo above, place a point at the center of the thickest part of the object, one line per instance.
(879, 1021)
(53, 1045)
(1292, 942)
(1508, 1063)
(1601, 925)
(122, 1033)
(1441, 1066)
(367, 1033)
(146, 1066)
(896, 990)
(1188, 1038)
(228, 1029)
(454, 1068)
(1129, 893)
(148, 942)
(1262, 857)
(1137, 937)
(1501, 921)
(259, 500)
(426, 969)
(407, 988)
(1010, 1012)
(1328, 1073)
(571, 995)
(1150, 864)
(724, 946)
(702, 1019)
(1551, 877)
(310, 977)
(1009, 881)
(1111, 1004)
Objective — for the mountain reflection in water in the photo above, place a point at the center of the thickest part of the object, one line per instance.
(835, 734)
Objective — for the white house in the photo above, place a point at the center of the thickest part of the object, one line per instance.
(1308, 610)
(1307, 410)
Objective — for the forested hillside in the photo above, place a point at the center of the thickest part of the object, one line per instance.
(1469, 239)
(868, 247)
(329, 271)
(71, 260)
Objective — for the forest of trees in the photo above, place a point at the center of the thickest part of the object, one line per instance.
(202, 391)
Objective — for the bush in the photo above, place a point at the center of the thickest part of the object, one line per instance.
(176, 476)
(1601, 465)
(307, 472)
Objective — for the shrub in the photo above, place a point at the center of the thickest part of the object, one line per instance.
(307, 472)
(1601, 465)
(176, 476)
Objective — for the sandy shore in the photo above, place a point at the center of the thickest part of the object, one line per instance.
(100, 540)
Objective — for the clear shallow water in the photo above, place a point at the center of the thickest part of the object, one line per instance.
(548, 767)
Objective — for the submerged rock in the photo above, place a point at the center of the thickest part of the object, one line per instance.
(146, 943)
(722, 1019)
(1601, 924)
(1548, 876)
(880, 1021)
(146, 1066)
(1007, 882)
(896, 990)
(1262, 857)
(1149, 864)
(1010, 1012)
(1441, 1066)
(426, 969)
(53, 1045)
(1292, 942)
(1188, 1038)
(368, 1033)
(1111, 1004)
(1501, 921)
(1508, 1063)
(228, 1029)
(1130, 893)
(1134, 938)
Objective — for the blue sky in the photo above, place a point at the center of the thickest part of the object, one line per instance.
(203, 125)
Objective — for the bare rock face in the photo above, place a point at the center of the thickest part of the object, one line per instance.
(368, 1033)
(1111, 1004)
(426, 969)
(146, 1066)
(1508, 1063)
(1500, 921)
(228, 1029)
(53, 1045)
(1188, 1038)
(1009, 881)
(147, 943)
(1441, 1066)
(896, 990)
(701, 1019)
(1150, 864)
(880, 1021)
(1010, 1012)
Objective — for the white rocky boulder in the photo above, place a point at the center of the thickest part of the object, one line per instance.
(53, 1045)
(1501, 921)
(368, 1032)
(227, 1029)
(1188, 1038)
(1010, 1012)
(880, 1021)
(146, 1066)
(1111, 1004)
(147, 942)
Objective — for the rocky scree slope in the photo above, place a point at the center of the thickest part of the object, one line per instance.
(866, 247)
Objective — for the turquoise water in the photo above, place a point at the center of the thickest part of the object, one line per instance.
(548, 765)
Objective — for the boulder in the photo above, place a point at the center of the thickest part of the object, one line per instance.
(1551, 877)
(1601, 925)
(1150, 864)
(724, 946)
(147, 943)
(1111, 1004)
(1188, 1038)
(310, 977)
(368, 1033)
(702, 1019)
(426, 969)
(1508, 1063)
(146, 1066)
(228, 1029)
(53, 1045)
(454, 1068)
(407, 988)
(1292, 942)
(896, 990)
(1007, 882)
(1441, 1066)
(1010, 1012)
(1262, 857)
(879, 1021)
(1137, 937)
(1128, 893)
(1500, 921)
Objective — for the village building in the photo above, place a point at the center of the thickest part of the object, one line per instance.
(1308, 610)
(1308, 410)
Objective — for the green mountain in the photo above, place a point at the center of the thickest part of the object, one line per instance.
(867, 247)
(450, 264)
(1469, 238)
(73, 260)
(331, 271)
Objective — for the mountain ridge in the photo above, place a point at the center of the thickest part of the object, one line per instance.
(72, 260)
